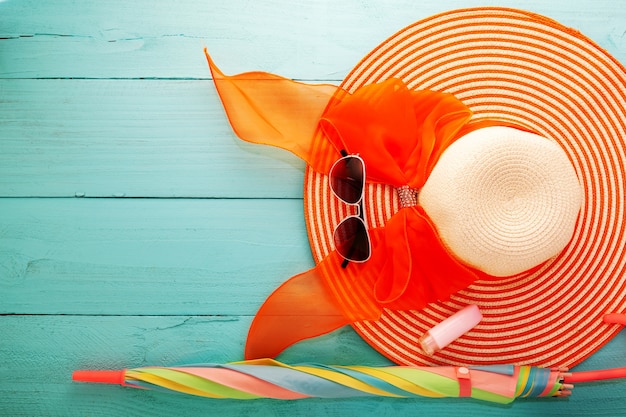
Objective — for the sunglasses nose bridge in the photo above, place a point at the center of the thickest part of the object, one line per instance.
(360, 211)
(349, 208)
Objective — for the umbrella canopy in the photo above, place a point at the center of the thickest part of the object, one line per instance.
(271, 379)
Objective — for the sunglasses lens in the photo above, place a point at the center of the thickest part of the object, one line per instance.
(352, 240)
(347, 179)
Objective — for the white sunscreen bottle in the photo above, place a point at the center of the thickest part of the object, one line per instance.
(450, 329)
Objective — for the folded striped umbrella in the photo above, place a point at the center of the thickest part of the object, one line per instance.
(268, 378)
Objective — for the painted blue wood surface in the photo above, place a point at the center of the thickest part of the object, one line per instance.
(136, 230)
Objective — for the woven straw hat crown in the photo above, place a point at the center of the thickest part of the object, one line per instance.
(503, 200)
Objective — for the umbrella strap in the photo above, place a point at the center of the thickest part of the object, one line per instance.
(465, 381)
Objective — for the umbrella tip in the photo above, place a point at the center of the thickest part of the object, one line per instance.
(99, 376)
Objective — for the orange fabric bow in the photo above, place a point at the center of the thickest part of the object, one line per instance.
(400, 135)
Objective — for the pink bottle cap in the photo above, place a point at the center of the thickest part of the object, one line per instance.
(450, 329)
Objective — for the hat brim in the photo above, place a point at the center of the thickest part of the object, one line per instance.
(528, 70)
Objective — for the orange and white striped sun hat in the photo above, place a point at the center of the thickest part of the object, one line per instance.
(531, 71)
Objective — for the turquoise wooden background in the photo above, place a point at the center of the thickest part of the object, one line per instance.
(135, 229)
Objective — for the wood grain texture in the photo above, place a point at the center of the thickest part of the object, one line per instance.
(132, 138)
(135, 229)
(314, 40)
(147, 256)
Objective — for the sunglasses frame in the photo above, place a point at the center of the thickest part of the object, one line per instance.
(360, 207)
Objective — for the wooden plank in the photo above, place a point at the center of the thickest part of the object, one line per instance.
(105, 40)
(134, 138)
(313, 40)
(147, 256)
(40, 352)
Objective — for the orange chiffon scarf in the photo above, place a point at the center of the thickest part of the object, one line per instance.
(400, 134)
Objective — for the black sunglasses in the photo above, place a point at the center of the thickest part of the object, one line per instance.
(347, 181)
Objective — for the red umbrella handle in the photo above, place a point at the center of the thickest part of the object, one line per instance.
(588, 376)
(100, 376)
